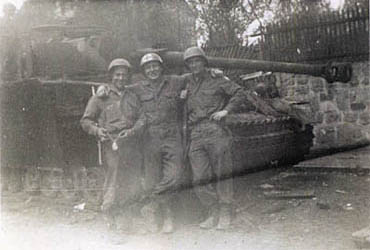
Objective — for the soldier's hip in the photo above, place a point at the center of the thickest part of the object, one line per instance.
(163, 131)
(209, 128)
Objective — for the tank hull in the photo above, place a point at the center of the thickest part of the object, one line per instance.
(261, 141)
(44, 149)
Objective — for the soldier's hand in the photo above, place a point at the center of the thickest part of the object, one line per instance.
(126, 133)
(184, 94)
(219, 115)
(102, 134)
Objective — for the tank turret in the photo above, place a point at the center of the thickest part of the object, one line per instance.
(62, 51)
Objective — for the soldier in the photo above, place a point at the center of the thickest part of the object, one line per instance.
(163, 154)
(210, 97)
(113, 115)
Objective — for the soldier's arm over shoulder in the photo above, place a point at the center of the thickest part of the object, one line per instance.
(186, 75)
(218, 73)
(134, 88)
(103, 91)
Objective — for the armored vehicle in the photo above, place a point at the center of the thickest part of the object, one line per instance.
(43, 148)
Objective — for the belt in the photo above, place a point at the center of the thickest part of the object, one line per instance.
(196, 123)
(206, 129)
(205, 121)
(163, 125)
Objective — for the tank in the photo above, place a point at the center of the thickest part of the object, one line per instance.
(43, 148)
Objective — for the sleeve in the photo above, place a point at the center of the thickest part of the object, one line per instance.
(182, 83)
(140, 122)
(89, 120)
(235, 92)
(179, 85)
(261, 105)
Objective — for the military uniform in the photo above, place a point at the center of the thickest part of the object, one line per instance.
(115, 111)
(163, 153)
(210, 141)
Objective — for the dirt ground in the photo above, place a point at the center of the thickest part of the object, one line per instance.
(328, 207)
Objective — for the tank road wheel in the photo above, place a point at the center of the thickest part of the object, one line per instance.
(95, 183)
(32, 180)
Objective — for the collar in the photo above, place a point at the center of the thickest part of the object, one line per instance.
(155, 84)
(158, 85)
(116, 91)
(202, 77)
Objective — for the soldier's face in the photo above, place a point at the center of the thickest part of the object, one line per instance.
(120, 77)
(196, 65)
(153, 70)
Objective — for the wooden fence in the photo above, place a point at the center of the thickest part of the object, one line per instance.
(338, 35)
(332, 35)
(234, 51)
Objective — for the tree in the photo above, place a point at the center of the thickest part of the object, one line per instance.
(222, 22)
(289, 8)
(356, 3)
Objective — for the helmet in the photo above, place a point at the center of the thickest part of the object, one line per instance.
(119, 62)
(193, 52)
(150, 57)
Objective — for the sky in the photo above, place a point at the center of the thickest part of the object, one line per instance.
(336, 3)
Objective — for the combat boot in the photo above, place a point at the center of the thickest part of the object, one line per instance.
(168, 225)
(212, 218)
(224, 221)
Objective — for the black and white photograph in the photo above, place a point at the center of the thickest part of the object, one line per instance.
(184, 125)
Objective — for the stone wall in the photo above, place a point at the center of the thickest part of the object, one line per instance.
(341, 111)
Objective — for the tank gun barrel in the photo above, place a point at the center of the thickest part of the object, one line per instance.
(331, 71)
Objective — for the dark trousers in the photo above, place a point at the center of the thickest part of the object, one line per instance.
(211, 163)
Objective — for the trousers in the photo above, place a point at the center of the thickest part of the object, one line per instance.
(123, 170)
(211, 163)
(163, 159)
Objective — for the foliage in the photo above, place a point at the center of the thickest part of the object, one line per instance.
(356, 3)
(222, 22)
(144, 23)
(289, 8)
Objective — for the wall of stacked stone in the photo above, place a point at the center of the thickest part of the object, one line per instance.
(340, 111)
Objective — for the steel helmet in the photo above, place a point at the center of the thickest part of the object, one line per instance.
(150, 57)
(193, 52)
(119, 62)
